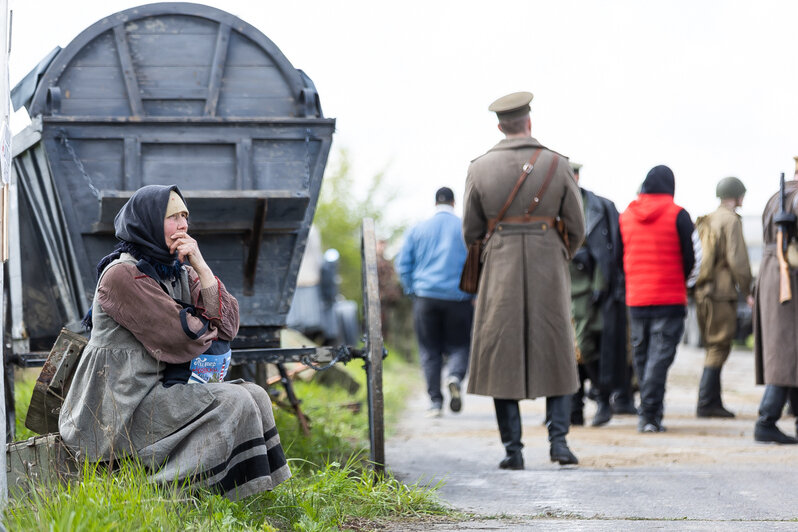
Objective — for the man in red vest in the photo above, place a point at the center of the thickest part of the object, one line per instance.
(658, 256)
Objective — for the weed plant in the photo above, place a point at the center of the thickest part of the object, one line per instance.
(332, 487)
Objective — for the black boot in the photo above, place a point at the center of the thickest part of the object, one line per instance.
(709, 400)
(508, 417)
(770, 409)
(557, 417)
(604, 410)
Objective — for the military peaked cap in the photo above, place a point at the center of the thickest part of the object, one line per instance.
(512, 105)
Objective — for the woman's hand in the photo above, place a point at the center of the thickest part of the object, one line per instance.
(187, 248)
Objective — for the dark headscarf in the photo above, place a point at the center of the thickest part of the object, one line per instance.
(139, 226)
(140, 221)
(658, 181)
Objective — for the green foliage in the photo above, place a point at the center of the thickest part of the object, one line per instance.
(331, 488)
(23, 388)
(339, 214)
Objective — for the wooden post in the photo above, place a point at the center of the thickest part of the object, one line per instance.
(374, 345)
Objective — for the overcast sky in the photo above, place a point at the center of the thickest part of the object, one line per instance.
(709, 88)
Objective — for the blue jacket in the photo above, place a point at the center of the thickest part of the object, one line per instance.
(432, 258)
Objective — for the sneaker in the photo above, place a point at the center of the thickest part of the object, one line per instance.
(649, 427)
(434, 412)
(456, 400)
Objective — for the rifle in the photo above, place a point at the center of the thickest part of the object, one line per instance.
(785, 221)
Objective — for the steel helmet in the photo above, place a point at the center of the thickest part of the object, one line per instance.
(730, 187)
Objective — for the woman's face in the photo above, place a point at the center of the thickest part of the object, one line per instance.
(173, 224)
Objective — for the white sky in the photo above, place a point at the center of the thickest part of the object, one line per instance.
(707, 87)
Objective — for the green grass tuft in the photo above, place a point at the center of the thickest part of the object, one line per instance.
(332, 487)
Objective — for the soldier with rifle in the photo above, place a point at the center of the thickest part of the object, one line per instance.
(776, 312)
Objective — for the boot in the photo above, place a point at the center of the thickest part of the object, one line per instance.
(709, 400)
(559, 452)
(623, 402)
(603, 412)
(508, 417)
(765, 429)
(557, 417)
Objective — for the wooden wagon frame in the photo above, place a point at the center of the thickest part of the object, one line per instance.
(186, 94)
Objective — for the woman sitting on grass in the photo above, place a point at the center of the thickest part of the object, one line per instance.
(131, 396)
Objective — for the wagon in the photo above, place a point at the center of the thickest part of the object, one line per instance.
(185, 94)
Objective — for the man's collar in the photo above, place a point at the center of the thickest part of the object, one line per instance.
(444, 207)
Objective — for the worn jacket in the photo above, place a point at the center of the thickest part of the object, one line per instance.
(731, 271)
(776, 324)
(522, 341)
(432, 257)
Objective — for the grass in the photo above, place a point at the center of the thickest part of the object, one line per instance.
(332, 489)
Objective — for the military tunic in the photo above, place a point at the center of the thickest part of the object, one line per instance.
(716, 295)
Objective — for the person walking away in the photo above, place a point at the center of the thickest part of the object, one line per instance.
(724, 271)
(775, 322)
(523, 341)
(429, 267)
(598, 306)
(657, 258)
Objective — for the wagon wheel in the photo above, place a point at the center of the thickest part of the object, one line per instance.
(374, 345)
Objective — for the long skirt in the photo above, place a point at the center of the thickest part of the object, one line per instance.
(231, 448)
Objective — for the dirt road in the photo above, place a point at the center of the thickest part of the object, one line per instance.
(699, 475)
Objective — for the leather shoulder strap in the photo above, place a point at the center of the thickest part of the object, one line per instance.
(525, 171)
(550, 174)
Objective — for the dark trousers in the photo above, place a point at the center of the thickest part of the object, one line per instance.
(654, 342)
(443, 329)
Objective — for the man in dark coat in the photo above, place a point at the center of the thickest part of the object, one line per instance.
(776, 323)
(522, 345)
(598, 305)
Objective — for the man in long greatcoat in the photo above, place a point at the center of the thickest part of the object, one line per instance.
(522, 345)
(598, 306)
(775, 324)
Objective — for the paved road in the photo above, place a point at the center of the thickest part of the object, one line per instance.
(699, 475)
